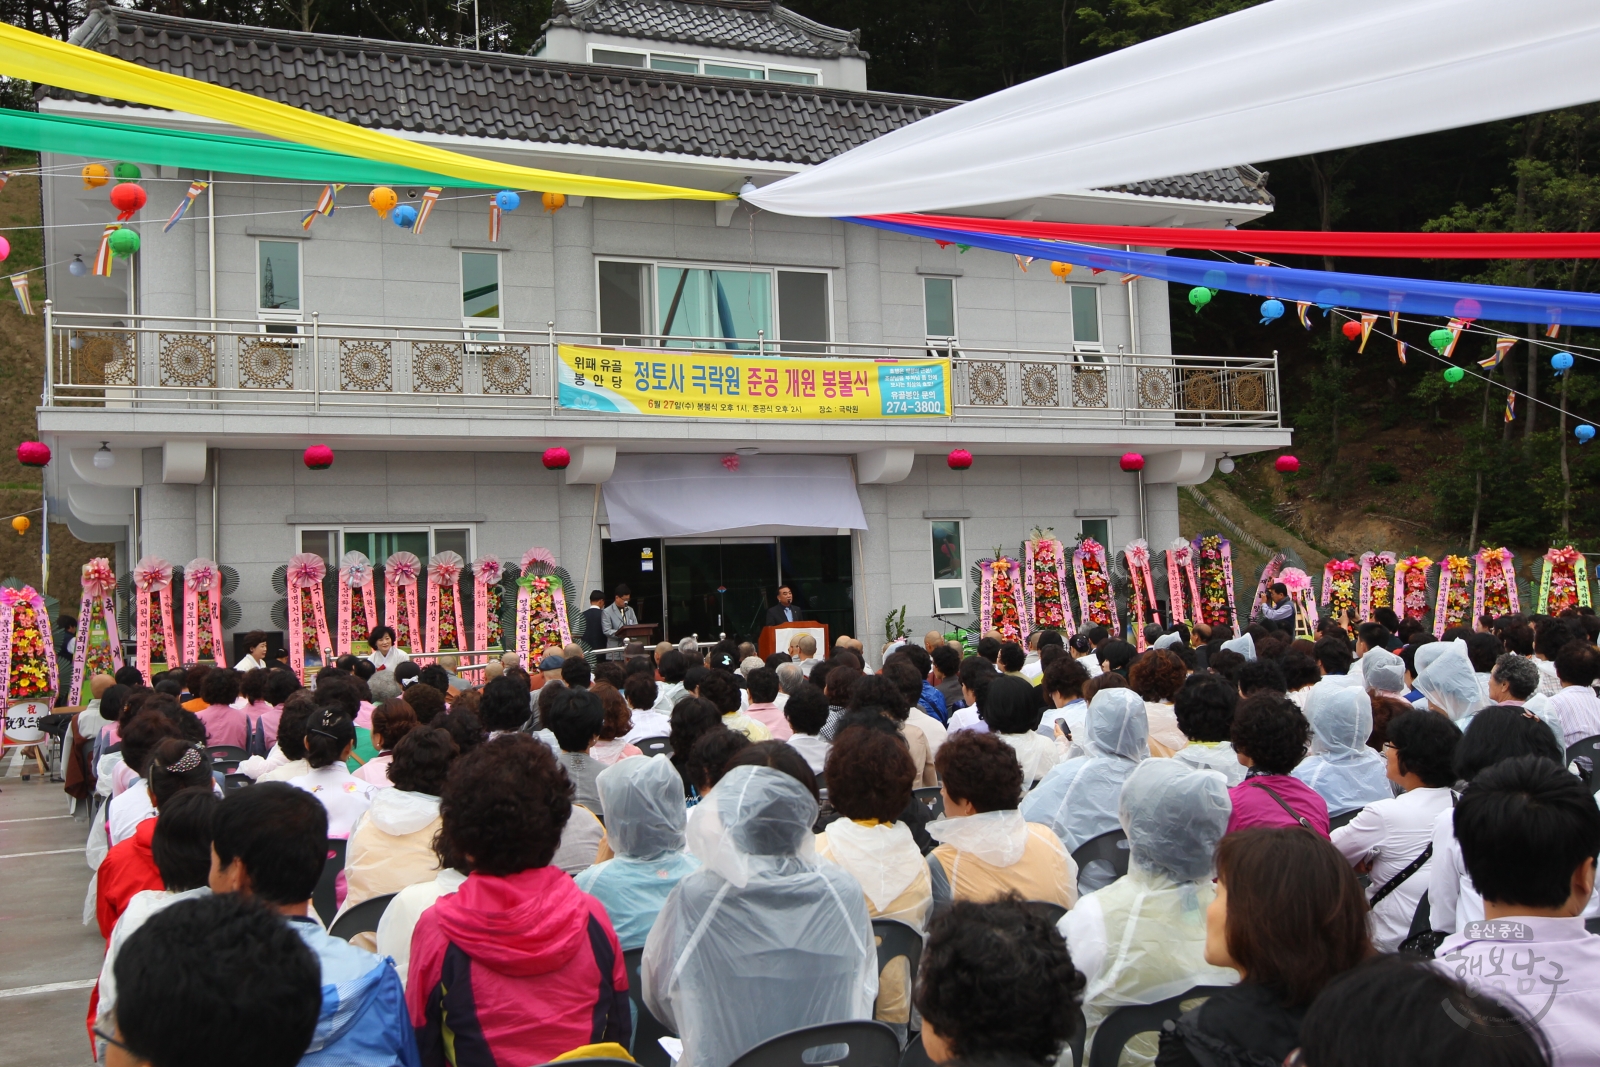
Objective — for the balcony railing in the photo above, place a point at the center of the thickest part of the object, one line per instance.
(151, 363)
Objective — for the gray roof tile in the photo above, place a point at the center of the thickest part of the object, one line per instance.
(749, 25)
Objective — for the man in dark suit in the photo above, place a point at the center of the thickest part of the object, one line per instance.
(594, 634)
(785, 610)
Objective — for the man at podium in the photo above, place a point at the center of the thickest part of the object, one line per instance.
(784, 611)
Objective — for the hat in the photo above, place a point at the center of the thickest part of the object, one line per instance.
(552, 662)
(1168, 640)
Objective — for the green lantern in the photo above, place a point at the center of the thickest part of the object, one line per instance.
(125, 172)
(1199, 296)
(1440, 340)
(1454, 374)
(124, 243)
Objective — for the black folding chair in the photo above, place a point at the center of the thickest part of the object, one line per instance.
(326, 898)
(227, 757)
(1101, 860)
(237, 781)
(915, 1055)
(1340, 820)
(361, 919)
(1051, 911)
(654, 746)
(1584, 754)
(932, 798)
(1122, 1025)
(647, 1029)
(895, 940)
(860, 1043)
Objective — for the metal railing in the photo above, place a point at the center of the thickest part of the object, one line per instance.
(162, 363)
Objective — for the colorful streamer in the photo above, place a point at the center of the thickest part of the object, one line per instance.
(429, 198)
(19, 285)
(103, 257)
(195, 189)
(326, 205)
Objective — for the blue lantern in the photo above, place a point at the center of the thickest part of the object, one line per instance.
(1271, 311)
(1584, 433)
(1561, 362)
(1214, 279)
(507, 200)
(1327, 299)
(404, 216)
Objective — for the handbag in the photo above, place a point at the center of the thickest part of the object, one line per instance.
(1284, 804)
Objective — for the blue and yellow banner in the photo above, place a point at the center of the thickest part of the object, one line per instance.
(731, 385)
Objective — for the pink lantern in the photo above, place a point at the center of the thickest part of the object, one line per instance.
(959, 459)
(556, 459)
(33, 454)
(1132, 461)
(319, 457)
(1286, 464)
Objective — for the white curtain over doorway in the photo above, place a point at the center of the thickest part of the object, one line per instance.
(686, 495)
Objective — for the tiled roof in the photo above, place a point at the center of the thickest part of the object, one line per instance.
(749, 25)
(432, 89)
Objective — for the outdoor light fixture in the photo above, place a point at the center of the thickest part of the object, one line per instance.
(103, 459)
(1225, 465)
(747, 450)
(747, 188)
(78, 268)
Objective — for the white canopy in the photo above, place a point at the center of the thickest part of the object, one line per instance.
(668, 495)
(1285, 78)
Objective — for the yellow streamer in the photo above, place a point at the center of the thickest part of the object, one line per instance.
(33, 57)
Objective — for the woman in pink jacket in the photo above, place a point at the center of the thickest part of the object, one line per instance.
(1269, 736)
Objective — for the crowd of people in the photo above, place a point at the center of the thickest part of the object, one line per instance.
(1367, 848)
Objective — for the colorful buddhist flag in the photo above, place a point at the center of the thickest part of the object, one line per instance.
(1126, 278)
(1263, 262)
(1367, 322)
(1502, 345)
(1394, 322)
(1023, 261)
(494, 221)
(19, 285)
(1511, 406)
(429, 198)
(195, 189)
(103, 258)
(1400, 349)
(1302, 308)
(327, 204)
(1455, 326)
(1552, 330)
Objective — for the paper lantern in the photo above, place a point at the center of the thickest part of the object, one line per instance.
(1286, 464)
(1584, 432)
(1454, 374)
(1132, 461)
(553, 202)
(127, 198)
(1199, 296)
(506, 200)
(123, 243)
(1351, 330)
(20, 524)
(1061, 270)
(959, 459)
(78, 268)
(556, 459)
(1561, 362)
(33, 454)
(1468, 308)
(1440, 340)
(95, 175)
(1271, 311)
(126, 172)
(319, 457)
(1214, 279)
(382, 199)
(404, 216)
(5, 248)
(1327, 298)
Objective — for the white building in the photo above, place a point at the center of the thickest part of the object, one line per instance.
(239, 338)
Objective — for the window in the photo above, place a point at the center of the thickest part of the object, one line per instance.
(729, 70)
(949, 566)
(939, 307)
(480, 293)
(732, 307)
(715, 68)
(1099, 529)
(792, 77)
(1086, 317)
(457, 541)
(620, 59)
(673, 63)
(421, 541)
(278, 276)
(324, 543)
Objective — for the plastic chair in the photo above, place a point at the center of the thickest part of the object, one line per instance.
(325, 898)
(860, 1043)
(1340, 820)
(237, 781)
(647, 1029)
(1051, 911)
(227, 757)
(1586, 754)
(915, 1055)
(896, 939)
(361, 919)
(1109, 851)
(654, 746)
(932, 796)
(1122, 1025)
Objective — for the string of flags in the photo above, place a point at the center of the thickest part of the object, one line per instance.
(326, 205)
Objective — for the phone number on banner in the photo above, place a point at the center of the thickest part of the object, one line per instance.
(706, 385)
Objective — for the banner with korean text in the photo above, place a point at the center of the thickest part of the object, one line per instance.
(733, 385)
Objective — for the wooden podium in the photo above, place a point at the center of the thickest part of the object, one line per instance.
(775, 639)
(644, 633)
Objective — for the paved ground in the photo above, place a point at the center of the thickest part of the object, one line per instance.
(42, 939)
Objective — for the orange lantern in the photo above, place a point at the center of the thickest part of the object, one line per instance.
(1061, 270)
(95, 175)
(20, 524)
(553, 202)
(383, 200)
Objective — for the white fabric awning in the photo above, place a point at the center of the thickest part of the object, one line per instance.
(686, 495)
(1285, 78)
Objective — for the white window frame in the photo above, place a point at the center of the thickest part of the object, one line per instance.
(1099, 324)
(700, 62)
(958, 583)
(935, 341)
(268, 318)
(474, 328)
(770, 269)
(431, 529)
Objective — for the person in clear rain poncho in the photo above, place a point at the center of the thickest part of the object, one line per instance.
(1142, 938)
(1383, 673)
(763, 938)
(643, 798)
(1341, 768)
(1078, 798)
(1447, 681)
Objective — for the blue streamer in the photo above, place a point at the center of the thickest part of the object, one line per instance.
(1368, 292)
